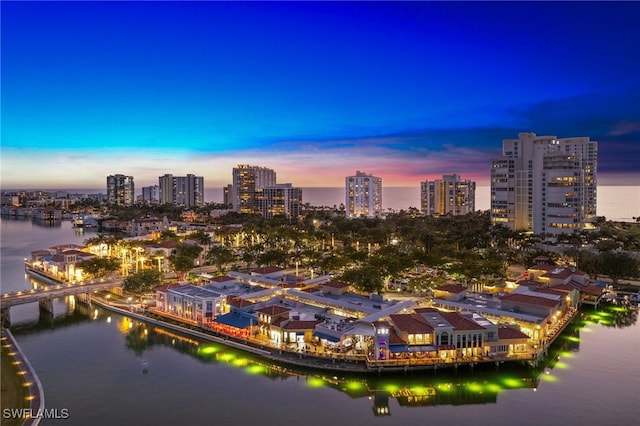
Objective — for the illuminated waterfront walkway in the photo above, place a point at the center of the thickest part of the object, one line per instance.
(322, 358)
(29, 379)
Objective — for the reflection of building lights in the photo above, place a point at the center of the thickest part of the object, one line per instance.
(108, 320)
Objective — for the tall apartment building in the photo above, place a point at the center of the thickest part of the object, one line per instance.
(151, 194)
(363, 195)
(120, 190)
(227, 195)
(448, 196)
(246, 180)
(185, 191)
(280, 200)
(544, 184)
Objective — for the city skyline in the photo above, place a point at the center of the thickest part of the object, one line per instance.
(405, 91)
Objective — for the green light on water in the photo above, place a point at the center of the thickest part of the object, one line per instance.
(240, 362)
(354, 386)
(619, 309)
(474, 387)
(566, 354)
(255, 369)
(586, 330)
(226, 357)
(391, 388)
(548, 378)
(445, 387)
(207, 350)
(315, 382)
(492, 387)
(418, 390)
(561, 365)
(606, 322)
(512, 383)
(573, 338)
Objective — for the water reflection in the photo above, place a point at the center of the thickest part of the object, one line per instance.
(465, 386)
(611, 316)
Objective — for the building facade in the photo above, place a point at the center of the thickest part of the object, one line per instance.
(151, 194)
(450, 195)
(363, 195)
(185, 191)
(247, 180)
(227, 198)
(120, 190)
(280, 200)
(544, 184)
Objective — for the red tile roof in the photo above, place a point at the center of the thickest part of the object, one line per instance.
(41, 252)
(559, 274)
(530, 282)
(506, 333)
(460, 322)
(238, 302)
(530, 300)
(167, 244)
(411, 323)
(277, 321)
(222, 278)
(300, 325)
(426, 310)
(394, 338)
(591, 289)
(563, 287)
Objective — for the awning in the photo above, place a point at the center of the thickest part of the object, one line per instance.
(233, 320)
(396, 349)
(326, 337)
(422, 348)
(411, 348)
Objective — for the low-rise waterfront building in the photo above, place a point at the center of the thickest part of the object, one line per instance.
(451, 292)
(189, 302)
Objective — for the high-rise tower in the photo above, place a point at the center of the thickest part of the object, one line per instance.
(246, 180)
(182, 190)
(449, 195)
(120, 190)
(544, 184)
(363, 195)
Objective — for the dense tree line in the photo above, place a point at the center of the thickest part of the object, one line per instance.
(369, 253)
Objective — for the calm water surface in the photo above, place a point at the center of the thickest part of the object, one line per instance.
(93, 363)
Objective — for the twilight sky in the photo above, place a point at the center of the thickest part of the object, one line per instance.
(316, 91)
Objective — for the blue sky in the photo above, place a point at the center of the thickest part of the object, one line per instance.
(315, 90)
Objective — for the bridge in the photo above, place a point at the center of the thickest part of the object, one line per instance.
(45, 295)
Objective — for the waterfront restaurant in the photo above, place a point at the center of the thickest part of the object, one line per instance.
(61, 262)
(193, 303)
(269, 320)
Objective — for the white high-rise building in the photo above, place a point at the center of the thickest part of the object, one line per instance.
(182, 190)
(120, 190)
(363, 195)
(544, 184)
(246, 180)
(449, 195)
